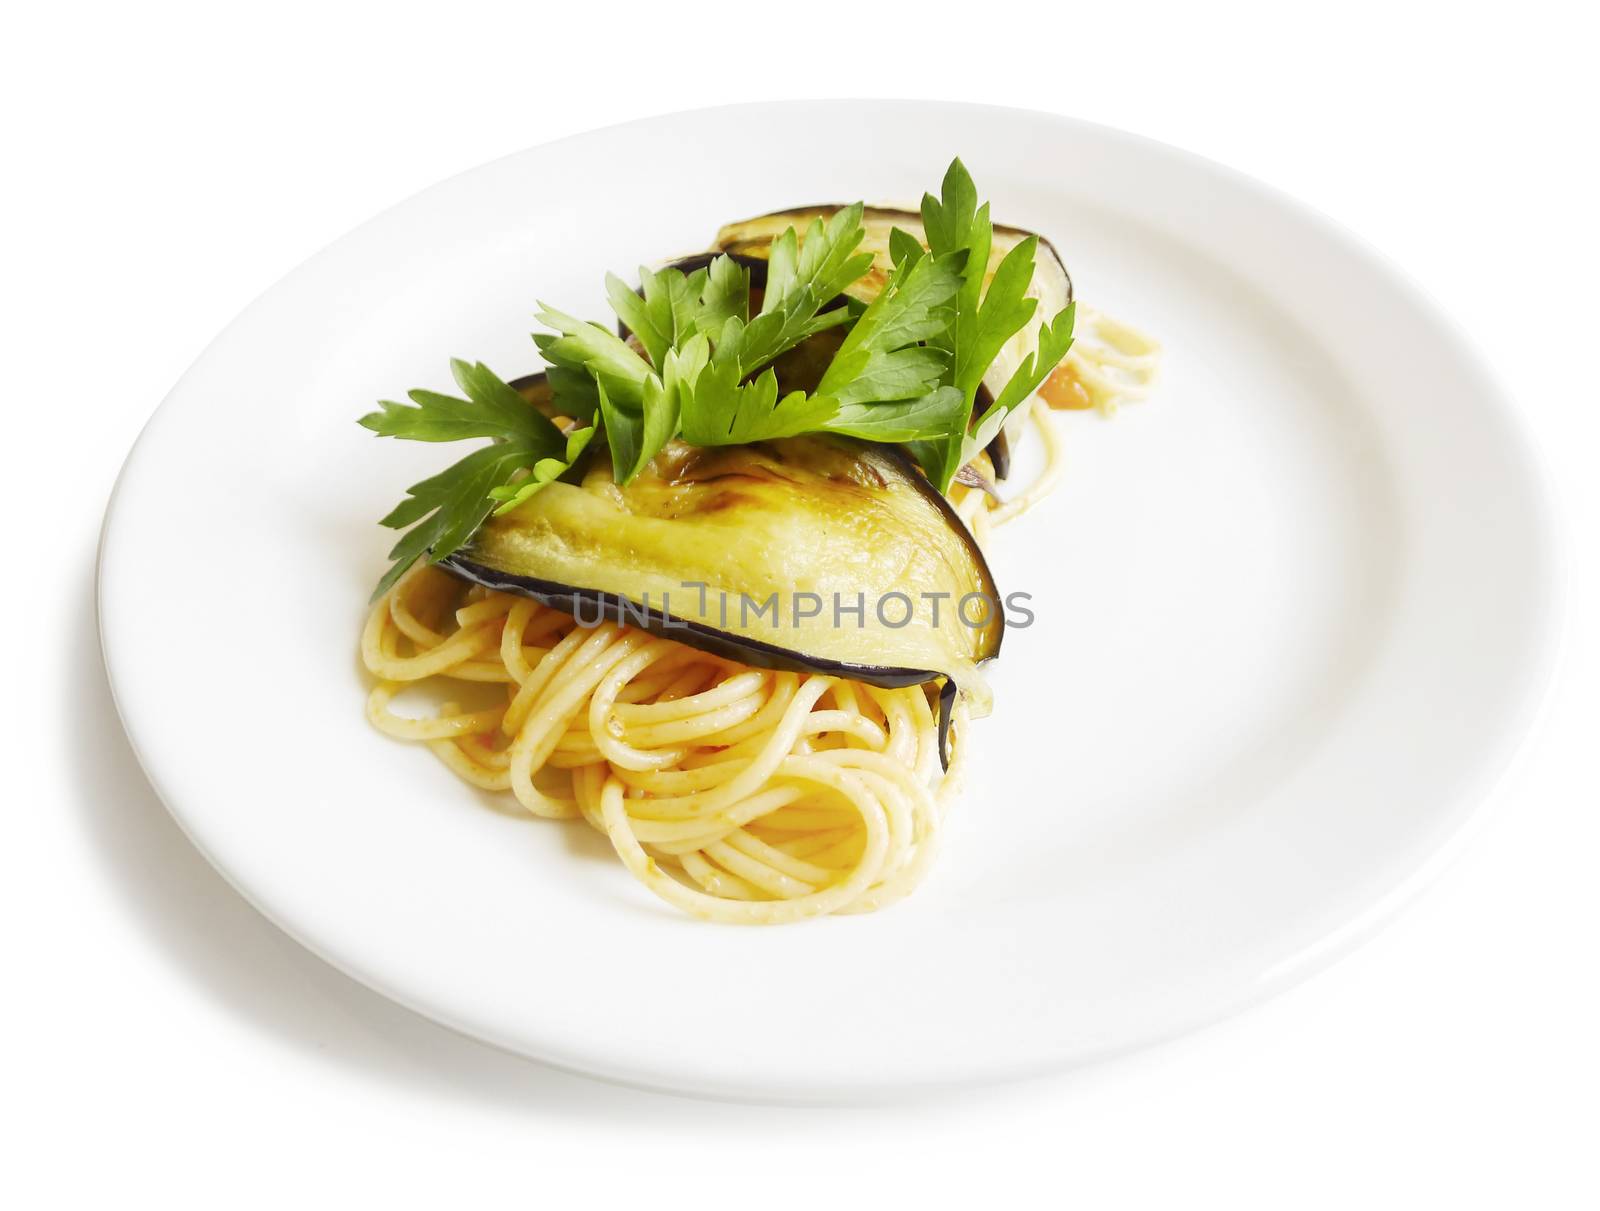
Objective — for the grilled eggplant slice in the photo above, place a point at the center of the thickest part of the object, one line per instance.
(1052, 286)
(761, 554)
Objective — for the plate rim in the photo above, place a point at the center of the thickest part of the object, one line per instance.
(1514, 739)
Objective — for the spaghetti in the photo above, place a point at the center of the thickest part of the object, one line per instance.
(736, 794)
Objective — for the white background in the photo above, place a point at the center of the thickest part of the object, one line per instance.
(166, 162)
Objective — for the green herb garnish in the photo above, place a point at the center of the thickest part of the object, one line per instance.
(445, 509)
(907, 371)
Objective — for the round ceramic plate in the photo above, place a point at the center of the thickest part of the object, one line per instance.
(1294, 614)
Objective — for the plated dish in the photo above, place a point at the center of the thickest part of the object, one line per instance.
(1293, 619)
(722, 570)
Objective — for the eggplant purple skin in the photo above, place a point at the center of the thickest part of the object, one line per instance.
(765, 655)
(753, 652)
(596, 604)
(999, 450)
(709, 639)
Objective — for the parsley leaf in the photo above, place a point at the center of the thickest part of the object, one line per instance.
(726, 295)
(686, 323)
(624, 435)
(802, 277)
(907, 371)
(672, 316)
(906, 421)
(445, 509)
(719, 410)
(1004, 312)
(985, 319)
(491, 409)
(669, 311)
(1055, 338)
(543, 473)
(873, 377)
(580, 345)
(649, 319)
(636, 435)
(882, 358)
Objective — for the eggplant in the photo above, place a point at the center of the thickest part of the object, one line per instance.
(999, 450)
(786, 537)
(1052, 286)
(821, 515)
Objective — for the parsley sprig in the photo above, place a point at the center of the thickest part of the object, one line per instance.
(985, 319)
(907, 370)
(444, 510)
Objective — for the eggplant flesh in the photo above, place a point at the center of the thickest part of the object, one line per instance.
(1052, 286)
(761, 554)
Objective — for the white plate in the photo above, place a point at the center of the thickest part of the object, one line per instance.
(1294, 616)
